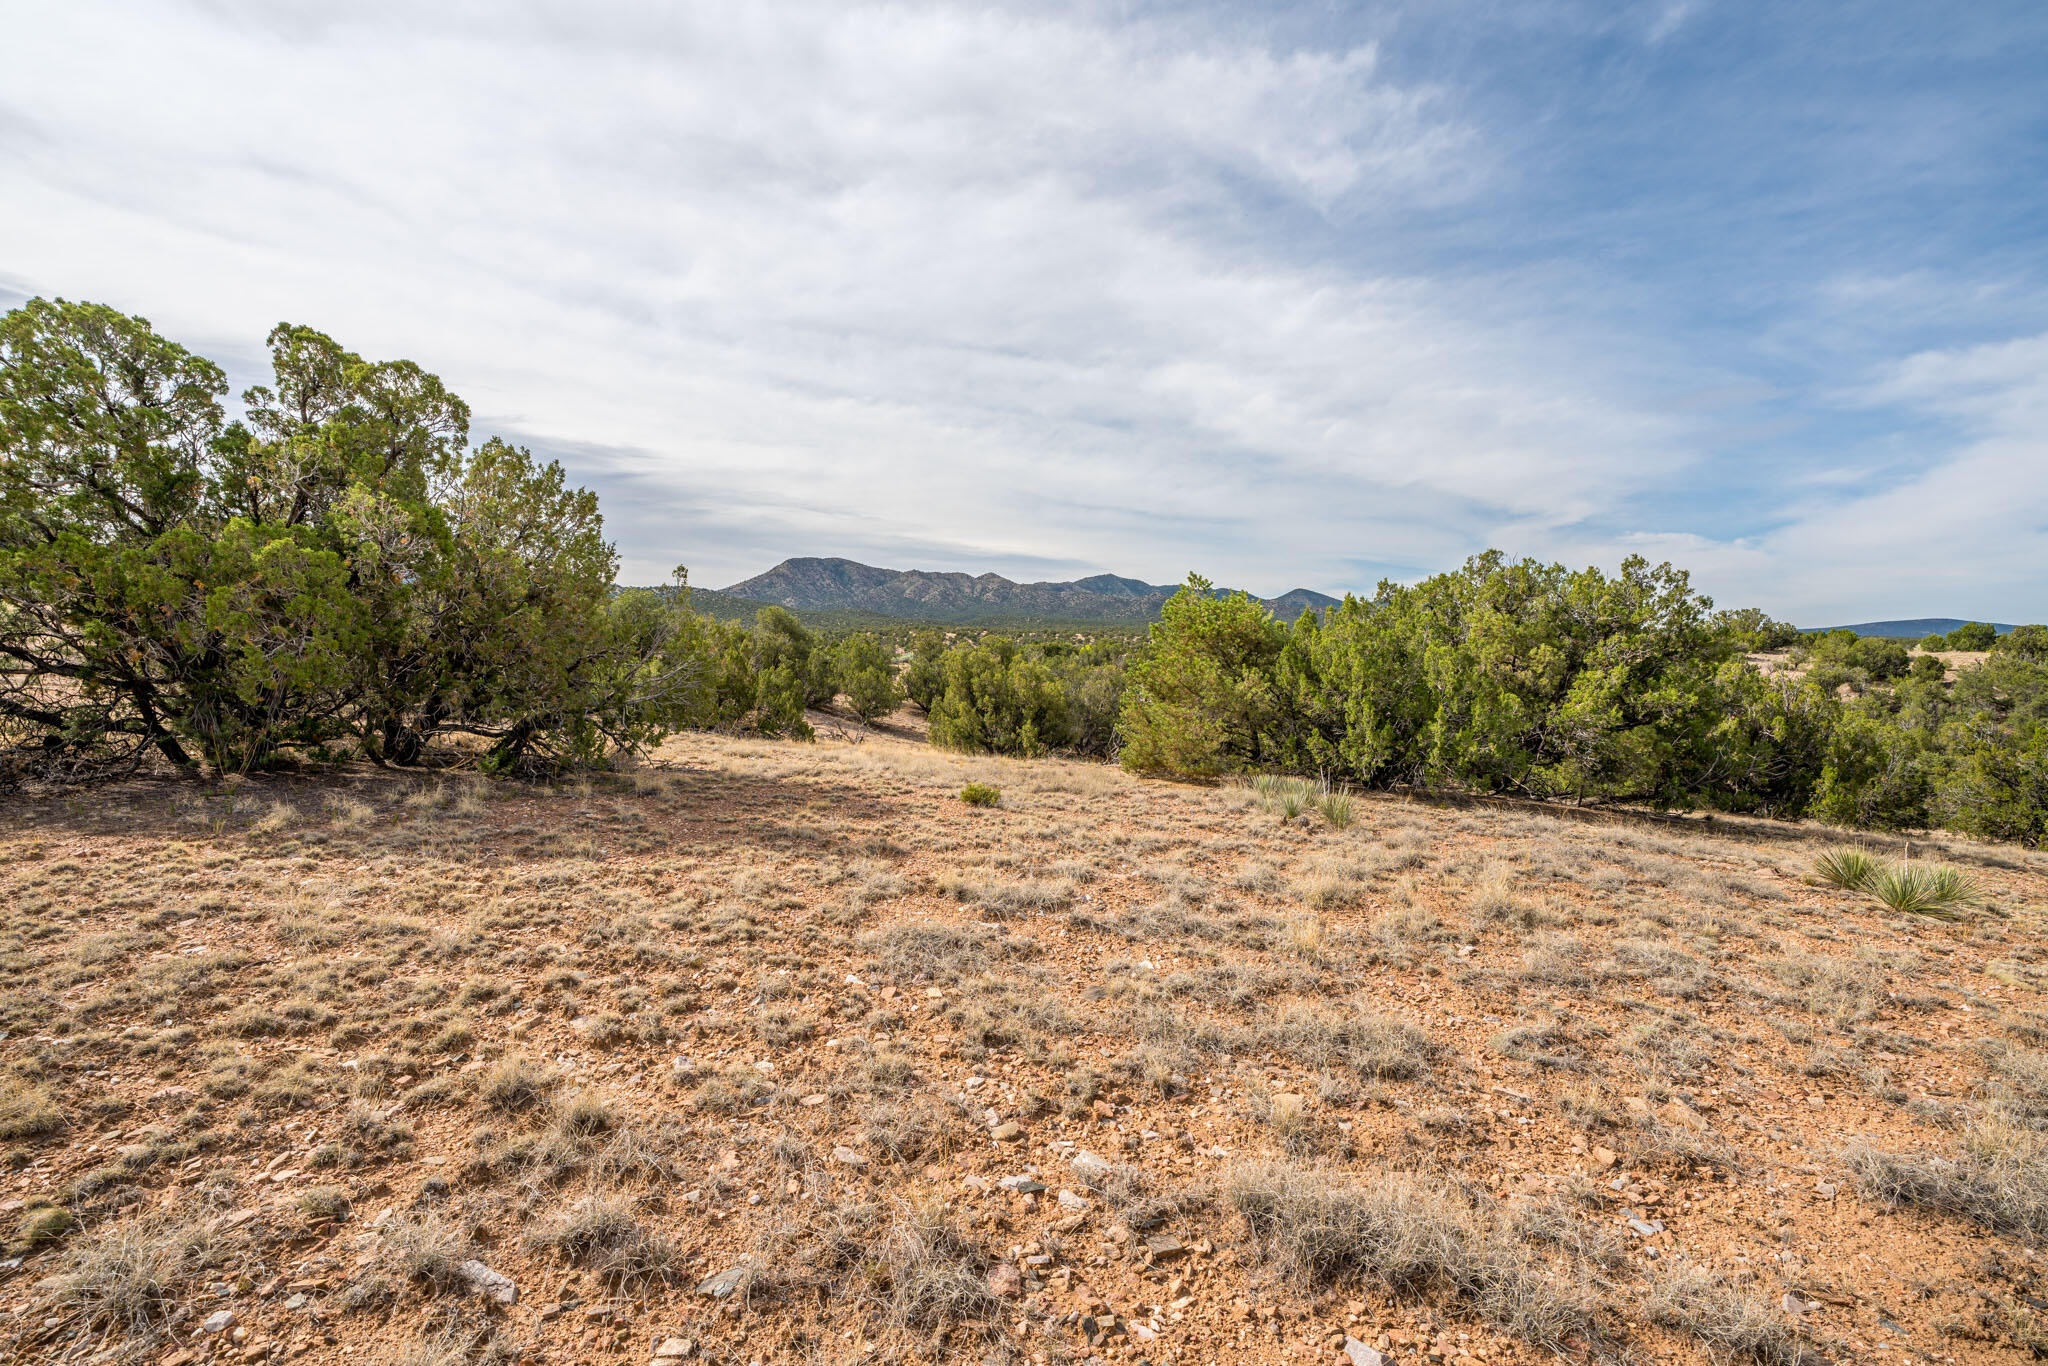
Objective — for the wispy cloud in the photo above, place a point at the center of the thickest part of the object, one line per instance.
(1034, 289)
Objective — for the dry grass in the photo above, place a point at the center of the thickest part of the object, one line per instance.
(1998, 1180)
(1325, 1228)
(776, 1008)
(1732, 1326)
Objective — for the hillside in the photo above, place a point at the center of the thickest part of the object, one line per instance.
(774, 1052)
(811, 584)
(1912, 628)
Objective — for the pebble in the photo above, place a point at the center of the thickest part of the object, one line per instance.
(219, 1321)
(1069, 1200)
(674, 1349)
(1005, 1281)
(848, 1157)
(1009, 1131)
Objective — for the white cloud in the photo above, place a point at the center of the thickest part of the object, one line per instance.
(950, 286)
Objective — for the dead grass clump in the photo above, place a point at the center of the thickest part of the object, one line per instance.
(916, 1129)
(1494, 900)
(515, 1085)
(1322, 1228)
(426, 1247)
(27, 1111)
(939, 953)
(603, 1233)
(2019, 1086)
(1732, 1326)
(125, 1277)
(2000, 1180)
(932, 1278)
(1375, 1047)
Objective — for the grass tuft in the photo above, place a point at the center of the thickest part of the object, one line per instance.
(1322, 1229)
(980, 794)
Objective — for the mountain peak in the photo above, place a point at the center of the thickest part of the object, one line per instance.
(829, 584)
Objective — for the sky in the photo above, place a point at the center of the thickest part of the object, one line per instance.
(1314, 295)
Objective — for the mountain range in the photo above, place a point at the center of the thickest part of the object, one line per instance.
(812, 584)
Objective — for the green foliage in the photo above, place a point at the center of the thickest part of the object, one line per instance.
(1850, 869)
(1527, 678)
(339, 563)
(1934, 641)
(867, 676)
(1916, 889)
(925, 679)
(1874, 776)
(998, 700)
(1975, 635)
(2029, 643)
(1201, 699)
(1755, 630)
(980, 794)
(1838, 658)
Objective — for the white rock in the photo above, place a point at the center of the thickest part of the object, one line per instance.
(218, 1321)
(485, 1281)
(1361, 1355)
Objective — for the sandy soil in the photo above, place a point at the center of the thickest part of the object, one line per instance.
(1482, 1084)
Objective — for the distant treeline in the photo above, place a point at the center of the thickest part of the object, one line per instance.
(1544, 682)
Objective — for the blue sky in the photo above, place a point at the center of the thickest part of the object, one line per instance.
(1308, 296)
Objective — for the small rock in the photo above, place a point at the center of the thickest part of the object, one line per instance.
(1361, 1355)
(1009, 1131)
(1604, 1157)
(297, 1301)
(848, 1157)
(1069, 1200)
(724, 1283)
(1005, 1281)
(1163, 1245)
(934, 994)
(674, 1349)
(816, 1099)
(485, 1281)
(1092, 1170)
(1645, 1228)
(1023, 1185)
(219, 1321)
(1677, 1112)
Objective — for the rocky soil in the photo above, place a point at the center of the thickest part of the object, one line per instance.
(777, 1052)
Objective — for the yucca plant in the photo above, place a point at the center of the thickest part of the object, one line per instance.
(1851, 869)
(1336, 804)
(1916, 889)
(1289, 802)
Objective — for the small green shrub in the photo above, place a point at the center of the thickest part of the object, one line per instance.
(1849, 869)
(1911, 890)
(980, 794)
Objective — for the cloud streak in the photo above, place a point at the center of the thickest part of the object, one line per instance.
(1039, 290)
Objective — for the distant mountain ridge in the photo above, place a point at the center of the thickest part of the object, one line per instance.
(814, 584)
(1912, 628)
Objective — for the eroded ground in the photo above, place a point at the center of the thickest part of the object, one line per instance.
(795, 1024)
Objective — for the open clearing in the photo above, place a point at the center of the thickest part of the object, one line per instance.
(778, 1052)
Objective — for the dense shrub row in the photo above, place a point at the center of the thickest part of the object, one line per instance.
(1546, 682)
